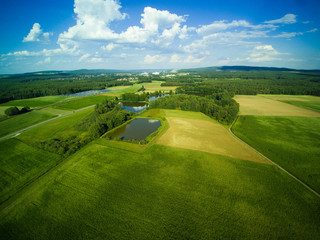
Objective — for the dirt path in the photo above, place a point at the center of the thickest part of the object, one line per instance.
(44, 122)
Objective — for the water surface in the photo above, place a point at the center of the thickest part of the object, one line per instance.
(134, 106)
(86, 93)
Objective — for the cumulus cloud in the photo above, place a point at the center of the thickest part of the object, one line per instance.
(109, 47)
(286, 19)
(175, 58)
(263, 53)
(313, 30)
(36, 34)
(154, 59)
(84, 57)
(47, 60)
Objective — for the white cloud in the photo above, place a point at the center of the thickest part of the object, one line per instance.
(288, 35)
(306, 22)
(154, 59)
(313, 30)
(36, 34)
(84, 57)
(192, 59)
(109, 47)
(286, 19)
(264, 53)
(96, 60)
(47, 60)
(175, 58)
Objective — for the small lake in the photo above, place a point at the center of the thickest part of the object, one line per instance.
(134, 106)
(86, 93)
(138, 129)
(155, 98)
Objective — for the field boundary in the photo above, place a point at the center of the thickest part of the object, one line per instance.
(275, 164)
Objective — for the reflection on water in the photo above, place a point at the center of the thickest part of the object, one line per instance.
(138, 129)
(155, 98)
(85, 93)
(134, 106)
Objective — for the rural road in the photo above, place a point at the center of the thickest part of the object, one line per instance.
(275, 164)
(44, 122)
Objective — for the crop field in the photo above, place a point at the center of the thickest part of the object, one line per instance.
(19, 164)
(35, 102)
(156, 86)
(196, 131)
(134, 88)
(264, 106)
(312, 105)
(105, 192)
(292, 142)
(62, 127)
(81, 102)
(22, 121)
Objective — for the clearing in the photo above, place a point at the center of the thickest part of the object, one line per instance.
(265, 106)
(196, 131)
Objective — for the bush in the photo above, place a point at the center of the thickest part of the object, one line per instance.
(12, 111)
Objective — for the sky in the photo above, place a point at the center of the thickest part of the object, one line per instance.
(40, 35)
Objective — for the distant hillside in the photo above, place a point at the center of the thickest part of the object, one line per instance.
(245, 68)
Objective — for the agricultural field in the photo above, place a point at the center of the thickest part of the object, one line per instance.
(105, 192)
(21, 163)
(196, 131)
(35, 102)
(156, 86)
(81, 102)
(263, 105)
(22, 121)
(292, 142)
(123, 89)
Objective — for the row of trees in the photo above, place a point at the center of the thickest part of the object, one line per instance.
(107, 115)
(220, 106)
(15, 111)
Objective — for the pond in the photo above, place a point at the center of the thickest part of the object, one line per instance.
(138, 129)
(134, 106)
(86, 93)
(155, 98)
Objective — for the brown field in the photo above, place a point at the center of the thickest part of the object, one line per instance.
(265, 106)
(203, 134)
(159, 87)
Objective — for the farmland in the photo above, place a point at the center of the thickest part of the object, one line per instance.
(193, 180)
(199, 132)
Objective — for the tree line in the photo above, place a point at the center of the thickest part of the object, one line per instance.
(219, 106)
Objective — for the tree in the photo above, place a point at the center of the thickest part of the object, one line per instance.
(12, 111)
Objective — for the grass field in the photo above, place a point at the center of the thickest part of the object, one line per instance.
(62, 127)
(312, 105)
(105, 192)
(19, 164)
(35, 102)
(292, 142)
(196, 131)
(22, 121)
(132, 89)
(265, 106)
(81, 102)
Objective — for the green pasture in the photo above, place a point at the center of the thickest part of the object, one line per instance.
(292, 142)
(22, 121)
(311, 105)
(60, 128)
(20, 163)
(105, 192)
(134, 88)
(81, 102)
(35, 102)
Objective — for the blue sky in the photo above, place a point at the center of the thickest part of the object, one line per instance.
(42, 35)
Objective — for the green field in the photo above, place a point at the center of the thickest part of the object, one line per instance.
(132, 89)
(312, 105)
(81, 102)
(22, 121)
(292, 142)
(62, 127)
(21, 163)
(104, 192)
(35, 102)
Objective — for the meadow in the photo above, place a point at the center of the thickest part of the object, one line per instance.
(292, 142)
(21, 163)
(121, 90)
(35, 102)
(22, 121)
(263, 105)
(81, 102)
(106, 192)
(156, 86)
(196, 131)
